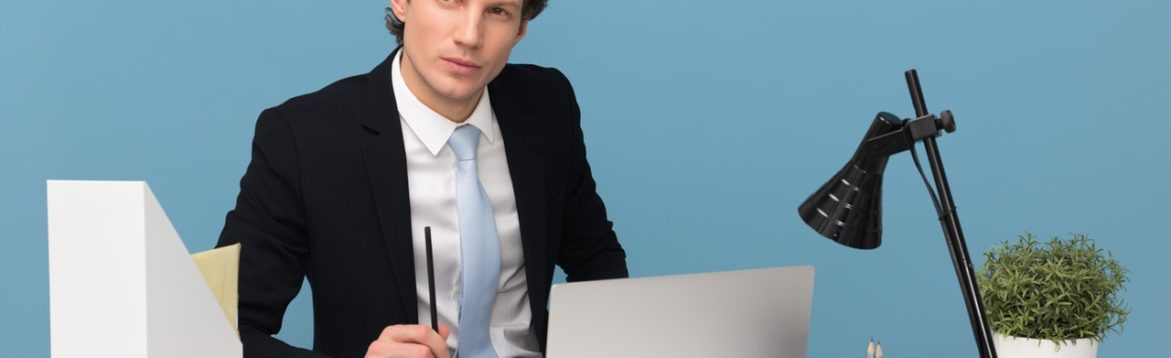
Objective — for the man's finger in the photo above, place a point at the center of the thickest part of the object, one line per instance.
(386, 349)
(418, 334)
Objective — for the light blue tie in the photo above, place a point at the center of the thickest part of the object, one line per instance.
(480, 247)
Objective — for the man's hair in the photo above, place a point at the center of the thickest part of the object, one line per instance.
(530, 10)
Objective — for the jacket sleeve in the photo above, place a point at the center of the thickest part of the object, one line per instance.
(269, 222)
(589, 247)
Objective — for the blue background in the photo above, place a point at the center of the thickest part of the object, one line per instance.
(707, 124)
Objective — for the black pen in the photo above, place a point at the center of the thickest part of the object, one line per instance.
(431, 279)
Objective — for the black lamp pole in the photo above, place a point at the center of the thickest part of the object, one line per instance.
(952, 232)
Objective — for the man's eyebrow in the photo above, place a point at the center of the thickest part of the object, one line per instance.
(514, 3)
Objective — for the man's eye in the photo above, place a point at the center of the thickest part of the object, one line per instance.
(499, 11)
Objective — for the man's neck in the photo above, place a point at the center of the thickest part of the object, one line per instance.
(454, 111)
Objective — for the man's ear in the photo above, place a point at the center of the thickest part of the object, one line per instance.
(399, 7)
(524, 28)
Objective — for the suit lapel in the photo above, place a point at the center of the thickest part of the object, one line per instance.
(522, 147)
(387, 165)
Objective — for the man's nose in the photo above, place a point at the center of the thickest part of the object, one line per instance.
(469, 32)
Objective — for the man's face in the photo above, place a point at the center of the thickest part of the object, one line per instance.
(453, 48)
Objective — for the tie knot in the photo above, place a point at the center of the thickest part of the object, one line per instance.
(464, 141)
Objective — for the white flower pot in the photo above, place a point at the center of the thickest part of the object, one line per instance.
(1016, 347)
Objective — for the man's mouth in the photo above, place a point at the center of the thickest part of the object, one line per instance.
(460, 65)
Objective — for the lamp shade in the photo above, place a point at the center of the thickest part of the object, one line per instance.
(848, 207)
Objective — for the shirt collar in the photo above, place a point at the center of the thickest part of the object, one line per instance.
(432, 128)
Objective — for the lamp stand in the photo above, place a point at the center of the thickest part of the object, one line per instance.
(952, 232)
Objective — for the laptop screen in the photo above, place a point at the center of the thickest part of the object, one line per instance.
(748, 313)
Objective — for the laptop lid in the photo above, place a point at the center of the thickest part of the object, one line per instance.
(749, 313)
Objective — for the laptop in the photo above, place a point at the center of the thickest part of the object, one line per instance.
(749, 313)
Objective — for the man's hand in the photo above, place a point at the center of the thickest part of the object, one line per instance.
(410, 341)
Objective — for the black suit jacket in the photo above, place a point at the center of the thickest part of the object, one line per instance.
(326, 197)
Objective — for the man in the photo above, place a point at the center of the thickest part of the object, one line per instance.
(443, 134)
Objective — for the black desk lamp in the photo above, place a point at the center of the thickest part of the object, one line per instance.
(848, 209)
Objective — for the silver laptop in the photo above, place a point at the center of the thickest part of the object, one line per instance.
(750, 313)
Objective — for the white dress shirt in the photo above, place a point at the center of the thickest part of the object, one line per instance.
(431, 176)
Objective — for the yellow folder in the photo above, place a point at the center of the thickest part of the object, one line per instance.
(221, 268)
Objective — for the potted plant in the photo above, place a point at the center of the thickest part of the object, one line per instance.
(1055, 300)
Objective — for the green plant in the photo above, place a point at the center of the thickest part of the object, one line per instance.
(1067, 290)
